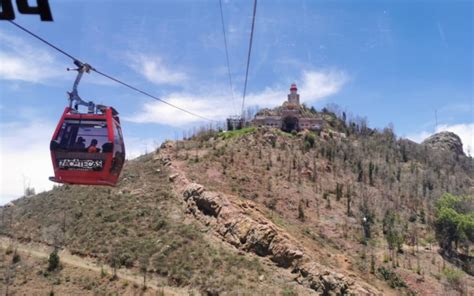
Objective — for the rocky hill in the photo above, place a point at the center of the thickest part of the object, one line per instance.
(260, 211)
(446, 141)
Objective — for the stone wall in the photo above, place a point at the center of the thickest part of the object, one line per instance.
(277, 122)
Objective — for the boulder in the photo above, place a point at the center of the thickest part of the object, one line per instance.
(173, 177)
(446, 141)
(193, 189)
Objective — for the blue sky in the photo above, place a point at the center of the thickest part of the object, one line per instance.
(391, 61)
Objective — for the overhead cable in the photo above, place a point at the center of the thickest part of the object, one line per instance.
(75, 60)
(227, 53)
(249, 54)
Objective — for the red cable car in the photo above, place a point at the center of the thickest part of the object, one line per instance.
(87, 148)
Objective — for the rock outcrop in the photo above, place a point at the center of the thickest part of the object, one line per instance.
(233, 224)
(241, 224)
(446, 141)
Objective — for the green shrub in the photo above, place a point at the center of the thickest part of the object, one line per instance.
(454, 277)
(454, 222)
(126, 260)
(309, 140)
(391, 277)
(289, 291)
(53, 262)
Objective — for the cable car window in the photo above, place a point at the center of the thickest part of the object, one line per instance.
(119, 153)
(83, 136)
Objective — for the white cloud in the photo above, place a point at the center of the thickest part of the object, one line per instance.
(155, 70)
(20, 60)
(464, 130)
(138, 146)
(24, 158)
(211, 106)
(317, 85)
(314, 86)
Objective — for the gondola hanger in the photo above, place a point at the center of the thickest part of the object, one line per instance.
(87, 148)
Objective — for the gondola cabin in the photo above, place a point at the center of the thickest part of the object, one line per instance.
(88, 148)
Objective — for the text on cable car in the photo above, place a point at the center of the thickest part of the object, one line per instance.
(80, 164)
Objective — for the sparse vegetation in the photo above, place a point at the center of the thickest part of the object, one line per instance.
(454, 221)
(454, 278)
(309, 140)
(391, 277)
(236, 133)
(329, 190)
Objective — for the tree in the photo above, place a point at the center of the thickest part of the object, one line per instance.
(349, 200)
(27, 189)
(368, 218)
(360, 172)
(454, 221)
(301, 215)
(144, 260)
(326, 197)
(393, 233)
(53, 261)
(339, 187)
(371, 173)
(147, 248)
(114, 260)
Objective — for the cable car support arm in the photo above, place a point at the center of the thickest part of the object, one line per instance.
(74, 98)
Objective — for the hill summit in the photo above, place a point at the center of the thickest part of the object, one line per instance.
(447, 141)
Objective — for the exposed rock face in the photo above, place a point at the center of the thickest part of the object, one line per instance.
(446, 141)
(241, 224)
(233, 224)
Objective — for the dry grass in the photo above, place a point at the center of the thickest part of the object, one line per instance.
(140, 218)
(287, 176)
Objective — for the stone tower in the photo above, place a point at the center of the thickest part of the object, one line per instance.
(293, 96)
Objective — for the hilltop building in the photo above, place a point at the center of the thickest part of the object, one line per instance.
(235, 123)
(290, 116)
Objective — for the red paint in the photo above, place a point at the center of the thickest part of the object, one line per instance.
(112, 161)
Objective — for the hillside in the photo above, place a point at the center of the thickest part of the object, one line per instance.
(263, 211)
(140, 218)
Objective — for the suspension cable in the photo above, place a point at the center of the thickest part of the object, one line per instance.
(227, 53)
(75, 60)
(150, 95)
(249, 54)
(44, 41)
